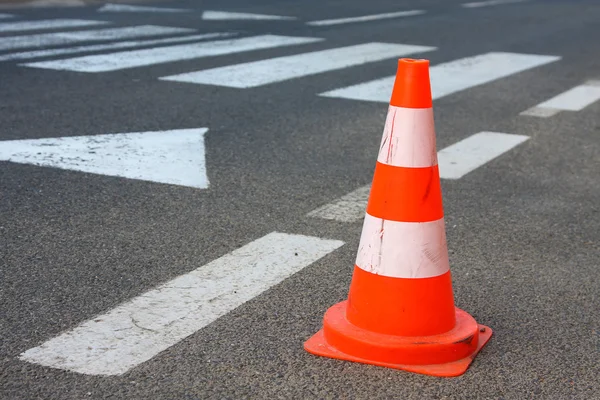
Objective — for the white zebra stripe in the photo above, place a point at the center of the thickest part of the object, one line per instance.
(66, 38)
(575, 99)
(279, 69)
(139, 329)
(26, 55)
(146, 57)
(450, 77)
(47, 24)
(363, 18)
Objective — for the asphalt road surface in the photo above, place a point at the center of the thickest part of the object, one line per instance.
(182, 193)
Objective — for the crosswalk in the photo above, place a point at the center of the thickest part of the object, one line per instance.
(93, 46)
(118, 51)
(139, 329)
(122, 48)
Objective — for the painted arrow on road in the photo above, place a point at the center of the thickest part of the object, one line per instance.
(174, 157)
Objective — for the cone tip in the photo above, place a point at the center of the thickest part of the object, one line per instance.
(414, 62)
(412, 88)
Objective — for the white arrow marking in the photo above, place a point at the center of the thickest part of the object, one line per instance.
(224, 16)
(129, 8)
(173, 157)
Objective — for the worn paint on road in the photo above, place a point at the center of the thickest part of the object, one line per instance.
(228, 16)
(47, 24)
(129, 44)
(139, 329)
(106, 34)
(146, 57)
(372, 17)
(173, 157)
(575, 99)
(109, 7)
(280, 69)
(450, 77)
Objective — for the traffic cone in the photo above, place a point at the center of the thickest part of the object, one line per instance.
(400, 310)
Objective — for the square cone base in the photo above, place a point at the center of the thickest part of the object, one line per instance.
(317, 345)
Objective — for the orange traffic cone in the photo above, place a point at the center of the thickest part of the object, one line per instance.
(400, 311)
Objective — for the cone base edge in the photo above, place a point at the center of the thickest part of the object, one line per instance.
(317, 345)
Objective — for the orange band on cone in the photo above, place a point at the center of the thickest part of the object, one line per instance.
(401, 306)
(411, 87)
(406, 194)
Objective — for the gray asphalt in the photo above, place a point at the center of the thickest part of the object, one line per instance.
(523, 230)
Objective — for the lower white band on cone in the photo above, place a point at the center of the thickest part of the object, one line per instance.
(408, 138)
(403, 249)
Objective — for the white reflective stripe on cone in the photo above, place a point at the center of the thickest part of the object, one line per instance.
(403, 249)
(408, 138)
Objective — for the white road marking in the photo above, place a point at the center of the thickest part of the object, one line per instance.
(141, 328)
(349, 208)
(139, 58)
(471, 153)
(109, 7)
(175, 157)
(47, 24)
(226, 16)
(540, 112)
(6, 16)
(373, 17)
(124, 32)
(65, 38)
(450, 77)
(454, 162)
(279, 69)
(575, 99)
(488, 3)
(110, 46)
